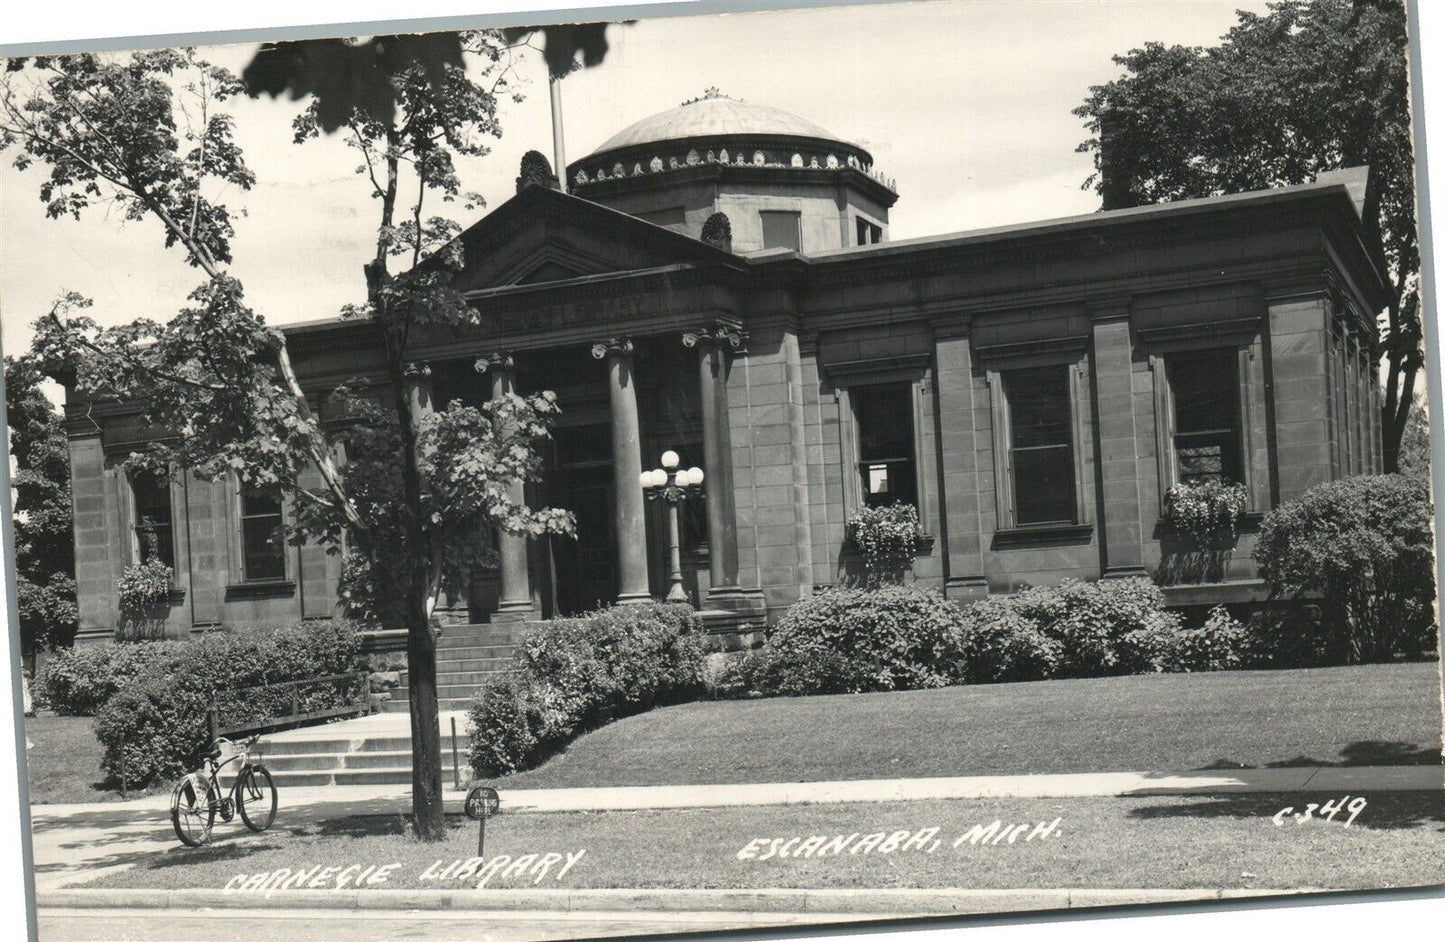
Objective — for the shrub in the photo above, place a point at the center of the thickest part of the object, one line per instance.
(79, 681)
(796, 671)
(1074, 629)
(574, 674)
(155, 724)
(1364, 544)
(1221, 643)
(886, 537)
(1002, 644)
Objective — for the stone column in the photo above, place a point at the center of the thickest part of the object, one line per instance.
(713, 345)
(630, 523)
(516, 599)
(1119, 440)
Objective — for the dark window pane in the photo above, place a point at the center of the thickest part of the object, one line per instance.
(885, 444)
(1041, 436)
(1039, 406)
(262, 540)
(1044, 486)
(781, 230)
(1205, 389)
(153, 533)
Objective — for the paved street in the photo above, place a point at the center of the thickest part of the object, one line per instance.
(151, 925)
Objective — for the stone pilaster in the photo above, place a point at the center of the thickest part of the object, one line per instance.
(630, 523)
(1122, 530)
(716, 346)
(961, 442)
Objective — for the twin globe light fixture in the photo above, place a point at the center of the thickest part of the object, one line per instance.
(673, 485)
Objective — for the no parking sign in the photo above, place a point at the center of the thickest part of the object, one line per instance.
(482, 802)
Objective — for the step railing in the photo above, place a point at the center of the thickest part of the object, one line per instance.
(290, 697)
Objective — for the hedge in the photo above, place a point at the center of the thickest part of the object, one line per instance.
(78, 681)
(854, 640)
(155, 725)
(575, 674)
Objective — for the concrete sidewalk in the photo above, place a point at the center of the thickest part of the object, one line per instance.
(76, 843)
(329, 801)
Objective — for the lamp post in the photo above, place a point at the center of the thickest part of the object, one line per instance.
(674, 485)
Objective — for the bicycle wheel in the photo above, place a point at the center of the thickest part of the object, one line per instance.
(193, 810)
(256, 797)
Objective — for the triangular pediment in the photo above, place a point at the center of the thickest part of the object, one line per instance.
(542, 236)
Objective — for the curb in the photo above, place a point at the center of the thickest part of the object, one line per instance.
(890, 902)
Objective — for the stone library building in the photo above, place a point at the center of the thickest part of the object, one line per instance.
(718, 280)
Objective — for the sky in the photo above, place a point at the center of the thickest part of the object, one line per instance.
(967, 105)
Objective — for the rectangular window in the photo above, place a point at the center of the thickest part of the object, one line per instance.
(782, 230)
(868, 233)
(1041, 445)
(886, 460)
(1207, 427)
(263, 550)
(153, 533)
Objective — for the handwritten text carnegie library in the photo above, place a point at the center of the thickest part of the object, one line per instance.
(924, 840)
(478, 871)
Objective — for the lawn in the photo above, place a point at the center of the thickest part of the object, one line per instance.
(63, 762)
(1371, 715)
(1172, 842)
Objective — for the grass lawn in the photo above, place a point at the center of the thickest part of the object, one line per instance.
(63, 764)
(1370, 715)
(1397, 840)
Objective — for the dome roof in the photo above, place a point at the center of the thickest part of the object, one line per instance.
(715, 116)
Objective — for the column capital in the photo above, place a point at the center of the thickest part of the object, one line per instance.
(612, 346)
(416, 372)
(721, 336)
(497, 362)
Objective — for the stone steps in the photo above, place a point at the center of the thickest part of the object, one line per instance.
(380, 760)
(467, 657)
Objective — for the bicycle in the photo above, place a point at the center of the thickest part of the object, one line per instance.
(198, 797)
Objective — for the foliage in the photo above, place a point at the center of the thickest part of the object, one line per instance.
(796, 671)
(1365, 545)
(1306, 88)
(849, 640)
(1221, 643)
(142, 586)
(348, 77)
(886, 537)
(78, 681)
(575, 674)
(1415, 442)
(1003, 644)
(40, 485)
(1075, 629)
(1208, 511)
(155, 725)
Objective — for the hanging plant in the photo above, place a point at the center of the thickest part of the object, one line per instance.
(885, 536)
(142, 587)
(1208, 510)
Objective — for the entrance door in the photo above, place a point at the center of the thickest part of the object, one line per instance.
(581, 481)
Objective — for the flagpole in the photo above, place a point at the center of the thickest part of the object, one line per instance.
(559, 156)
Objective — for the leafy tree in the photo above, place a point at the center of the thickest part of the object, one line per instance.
(1309, 87)
(44, 541)
(148, 133)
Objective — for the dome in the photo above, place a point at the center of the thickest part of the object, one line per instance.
(715, 115)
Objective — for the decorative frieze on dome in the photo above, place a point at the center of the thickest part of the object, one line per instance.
(610, 168)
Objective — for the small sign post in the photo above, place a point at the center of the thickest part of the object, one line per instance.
(482, 803)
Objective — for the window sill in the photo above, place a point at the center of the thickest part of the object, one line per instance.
(270, 589)
(1044, 535)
